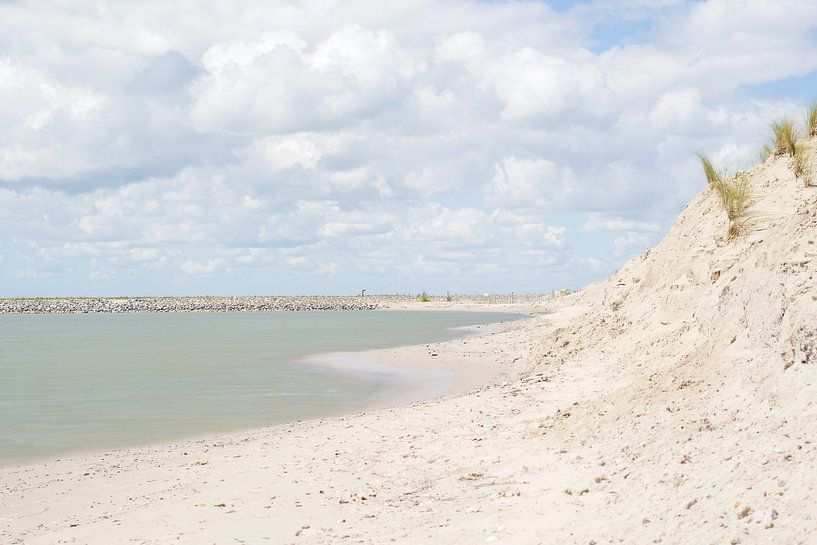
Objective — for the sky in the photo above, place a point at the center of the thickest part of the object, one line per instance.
(326, 146)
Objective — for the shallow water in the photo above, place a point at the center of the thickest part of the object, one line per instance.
(72, 383)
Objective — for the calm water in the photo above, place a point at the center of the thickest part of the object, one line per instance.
(86, 382)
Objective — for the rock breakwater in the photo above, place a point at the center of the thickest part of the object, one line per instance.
(232, 304)
(185, 304)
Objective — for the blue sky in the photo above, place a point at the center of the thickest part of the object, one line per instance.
(328, 146)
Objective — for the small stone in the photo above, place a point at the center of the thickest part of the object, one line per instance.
(769, 518)
(745, 512)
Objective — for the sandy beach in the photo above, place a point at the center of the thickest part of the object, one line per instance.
(671, 403)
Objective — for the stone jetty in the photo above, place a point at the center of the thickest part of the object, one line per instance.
(85, 305)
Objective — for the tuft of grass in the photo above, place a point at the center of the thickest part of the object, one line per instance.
(785, 137)
(735, 195)
(737, 199)
(714, 178)
(801, 165)
(811, 121)
(423, 298)
(765, 152)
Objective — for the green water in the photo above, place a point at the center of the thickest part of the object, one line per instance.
(71, 383)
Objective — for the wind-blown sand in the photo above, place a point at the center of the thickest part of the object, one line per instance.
(673, 403)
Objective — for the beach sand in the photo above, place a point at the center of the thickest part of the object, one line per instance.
(674, 402)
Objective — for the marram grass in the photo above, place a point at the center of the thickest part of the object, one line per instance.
(735, 195)
(713, 178)
(811, 121)
(765, 152)
(737, 199)
(801, 164)
(785, 137)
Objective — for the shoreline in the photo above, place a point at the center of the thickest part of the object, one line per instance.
(409, 360)
(425, 364)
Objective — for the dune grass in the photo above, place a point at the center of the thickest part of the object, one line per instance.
(424, 298)
(713, 178)
(735, 195)
(811, 121)
(765, 152)
(801, 165)
(737, 199)
(785, 137)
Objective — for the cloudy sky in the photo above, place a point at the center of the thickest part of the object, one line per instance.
(327, 146)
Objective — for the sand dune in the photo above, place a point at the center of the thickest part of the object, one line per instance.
(672, 403)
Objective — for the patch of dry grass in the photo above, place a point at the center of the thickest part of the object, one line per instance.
(735, 195)
(714, 179)
(801, 164)
(737, 200)
(785, 137)
(765, 152)
(811, 121)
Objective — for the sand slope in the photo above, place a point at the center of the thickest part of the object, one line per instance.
(673, 403)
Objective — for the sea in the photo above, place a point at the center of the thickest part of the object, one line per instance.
(74, 383)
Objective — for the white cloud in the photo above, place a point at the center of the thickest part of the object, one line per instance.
(614, 223)
(353, 73)
(530, 182)
(100, 275)
(294, 151)
(195, 268)
(297, 262)
(677, 108)
(33, 106)
(533, 85)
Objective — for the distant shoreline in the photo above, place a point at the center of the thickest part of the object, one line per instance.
(95, 305)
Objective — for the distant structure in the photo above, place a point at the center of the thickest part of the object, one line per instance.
(362, 293)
